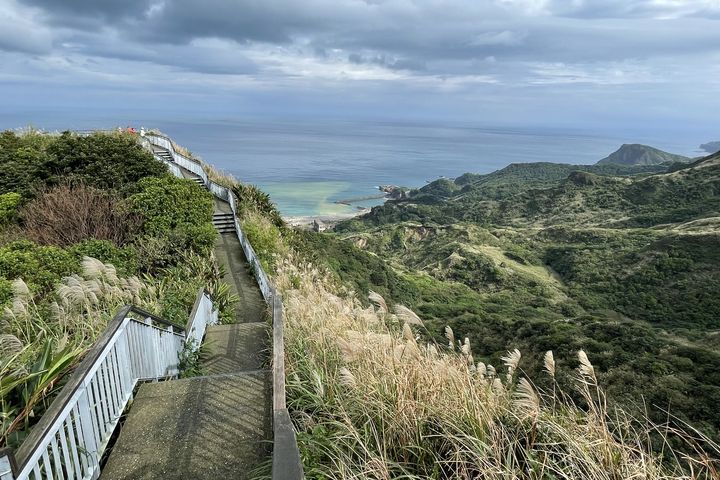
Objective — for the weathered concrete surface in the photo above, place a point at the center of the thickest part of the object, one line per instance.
(199, 428)
(229, 253)
(235, 348)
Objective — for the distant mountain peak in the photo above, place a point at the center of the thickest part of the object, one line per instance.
(637, 154)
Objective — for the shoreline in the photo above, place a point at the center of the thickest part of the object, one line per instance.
(306, 221)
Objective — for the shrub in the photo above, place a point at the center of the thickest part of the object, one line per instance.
(8, 207)
(265, 237)
(124, 259)
(253, 200)
(177, 209)
(33, 160)
(74, 212)
(102, 160)
(6, 291)
(39, 266)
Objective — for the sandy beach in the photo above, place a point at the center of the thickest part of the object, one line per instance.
(326, 220)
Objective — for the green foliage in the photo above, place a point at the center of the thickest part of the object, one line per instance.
(6, 291)
(41, 267)
(253, 200)
(358, 269)
(265, 237)
(9, 203)
(123, 258)
(545, 256)
(101, 160)
(177, 210)
(24, 393)
(550, 194)
(189, 360)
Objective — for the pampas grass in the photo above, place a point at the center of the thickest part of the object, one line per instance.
(371, 401)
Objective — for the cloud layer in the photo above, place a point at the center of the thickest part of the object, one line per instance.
(460, 50)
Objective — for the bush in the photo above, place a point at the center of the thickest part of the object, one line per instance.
(8, 207)
(102, 160)
(6, 291)
(39, 266)
(265, 238)
(124, 259)
(177, 209)
(71, 213)
(253, 200)
(32, 161)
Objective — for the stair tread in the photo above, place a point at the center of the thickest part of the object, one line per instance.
(234, 348)
(200, 428)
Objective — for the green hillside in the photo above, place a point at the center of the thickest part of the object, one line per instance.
(621, 262)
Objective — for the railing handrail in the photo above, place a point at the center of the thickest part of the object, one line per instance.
(34, 448)
(34, 440)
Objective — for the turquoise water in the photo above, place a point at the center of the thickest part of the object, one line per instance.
(307, 166)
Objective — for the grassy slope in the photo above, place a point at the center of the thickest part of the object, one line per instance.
(590, 262)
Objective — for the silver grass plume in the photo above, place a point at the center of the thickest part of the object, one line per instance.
(511, 361)
(9, 345)
(465, 348)
(586, 369)
(450, 336)
(346, 377)
(378, 300)
(20, 289)
(407, 315)
(408, 333)
(525, 397)
(549, 362)
(498, 387)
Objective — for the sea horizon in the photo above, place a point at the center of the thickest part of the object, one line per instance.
(307, 167)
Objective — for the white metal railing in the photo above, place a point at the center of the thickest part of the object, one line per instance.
(72, 435)
(203, 315)
(185, 162)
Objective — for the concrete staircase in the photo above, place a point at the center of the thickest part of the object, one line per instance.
(224, 222)
(219, 425)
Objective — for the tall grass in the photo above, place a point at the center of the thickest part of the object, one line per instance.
(370, 400)
(41, 340)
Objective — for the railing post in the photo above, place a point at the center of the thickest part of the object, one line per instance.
(7, 464)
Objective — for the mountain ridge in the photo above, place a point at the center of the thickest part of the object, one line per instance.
(638, 154)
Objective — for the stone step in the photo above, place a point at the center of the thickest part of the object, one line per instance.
(216, 427)
(235, 348)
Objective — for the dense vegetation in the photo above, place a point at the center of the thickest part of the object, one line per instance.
(621, 262)
(87, 224)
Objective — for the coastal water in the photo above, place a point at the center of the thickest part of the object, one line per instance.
(308, 166)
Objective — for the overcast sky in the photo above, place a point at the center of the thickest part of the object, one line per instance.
(592, 63)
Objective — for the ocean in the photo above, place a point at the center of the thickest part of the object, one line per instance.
(308, 166)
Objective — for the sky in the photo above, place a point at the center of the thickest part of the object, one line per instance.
(595, 64)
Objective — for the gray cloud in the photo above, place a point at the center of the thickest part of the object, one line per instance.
(489, 52)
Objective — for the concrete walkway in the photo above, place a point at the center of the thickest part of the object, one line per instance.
(218, 426)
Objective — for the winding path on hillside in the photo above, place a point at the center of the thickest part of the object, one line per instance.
(219, 425)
